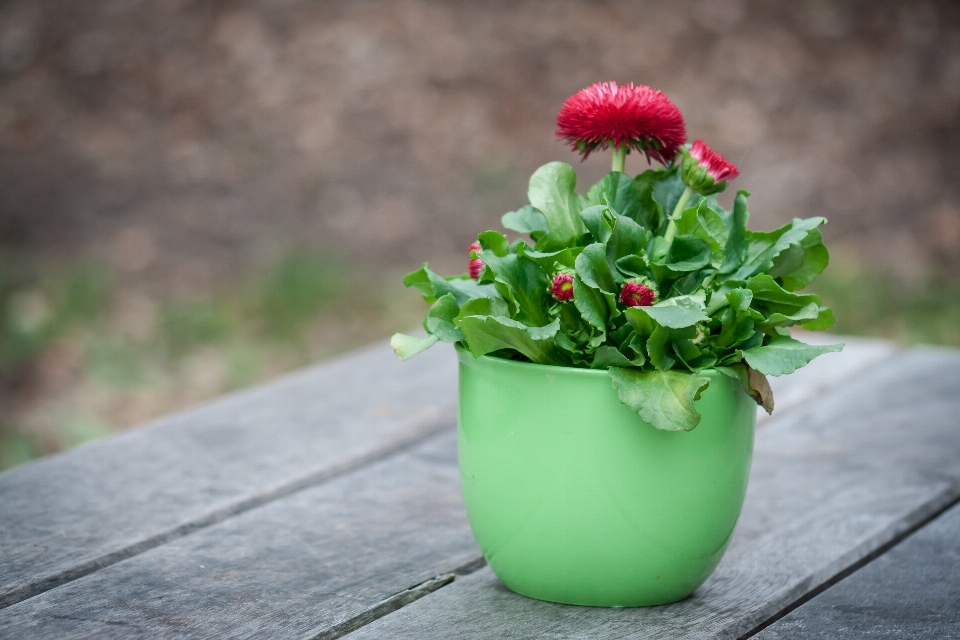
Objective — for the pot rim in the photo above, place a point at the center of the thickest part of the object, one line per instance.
(464, 352)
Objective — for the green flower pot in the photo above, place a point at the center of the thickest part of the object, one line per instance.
(574, 499)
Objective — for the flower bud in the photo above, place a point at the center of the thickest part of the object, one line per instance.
(476, 264)
(706, 171)
(562, 287)
(637, 294)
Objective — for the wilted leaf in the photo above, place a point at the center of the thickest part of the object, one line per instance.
(760, 390)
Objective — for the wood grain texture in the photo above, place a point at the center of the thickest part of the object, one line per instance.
(297, 567)
(913, 591)
(68, 515)
(827, 371)
(832, 481)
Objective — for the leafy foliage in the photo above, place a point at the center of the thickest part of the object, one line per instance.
(726, 296)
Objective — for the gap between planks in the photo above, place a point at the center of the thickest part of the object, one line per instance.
(36, 587)
(397, 601)
(884, 541)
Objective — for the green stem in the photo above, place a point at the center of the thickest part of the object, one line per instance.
(619, 158)
(677, 212)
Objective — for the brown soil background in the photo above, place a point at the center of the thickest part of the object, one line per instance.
(188, 143)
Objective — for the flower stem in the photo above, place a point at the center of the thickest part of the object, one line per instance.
(677, 212)
(619, 158)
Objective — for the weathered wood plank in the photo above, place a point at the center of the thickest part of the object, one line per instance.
(912, 591)
(70, 514)
(296, 567)
(832, 481)
(372, 534)
(826, 371)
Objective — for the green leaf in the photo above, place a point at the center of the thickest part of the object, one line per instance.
(737, 320)
(520, 281)
(461, 288)
(548, 260)
(771, 297)
(593, 268)
(527, 219)
(764, 247)
(633, 266)
(599, 221)
(551, 191)
(494, 241)
(607, 357)
(703, 222)
(668, 189)
(650, 213)
(664, 399)
(638, 345)
(440, 317)
(590, 303)
(824, 320)
(687, 253)
(809, 313)
(641, 322)
(813, 259)
(785, 355)
(493, 333)
(736, 223)
(619, 191)
(676, 313)
(483, 307)
(408, 346)
(658, 349)
(627, 240)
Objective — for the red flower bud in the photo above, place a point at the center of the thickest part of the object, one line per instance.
(476, 264)
(562, 287)
(635, 294)
(718, 167)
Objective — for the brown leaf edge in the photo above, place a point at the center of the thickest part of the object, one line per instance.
(760, 389)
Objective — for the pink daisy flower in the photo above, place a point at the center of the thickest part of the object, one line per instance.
(637, 116)
(635, 294)
(562, 287)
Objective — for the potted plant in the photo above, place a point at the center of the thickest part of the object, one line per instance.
(611, 356)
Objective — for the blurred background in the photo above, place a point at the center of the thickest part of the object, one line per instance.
(197, 196)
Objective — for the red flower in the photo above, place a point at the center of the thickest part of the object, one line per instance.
(635, 294)
(562, 288)
(716, 165)
(635, 115)
(476, 264)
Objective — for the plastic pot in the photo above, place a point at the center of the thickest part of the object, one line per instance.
(573, 498)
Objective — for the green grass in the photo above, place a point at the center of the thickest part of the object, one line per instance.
(72, 371)
(881, 306)
(304, 308)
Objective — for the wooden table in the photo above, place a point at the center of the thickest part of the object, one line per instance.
(328, 503)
